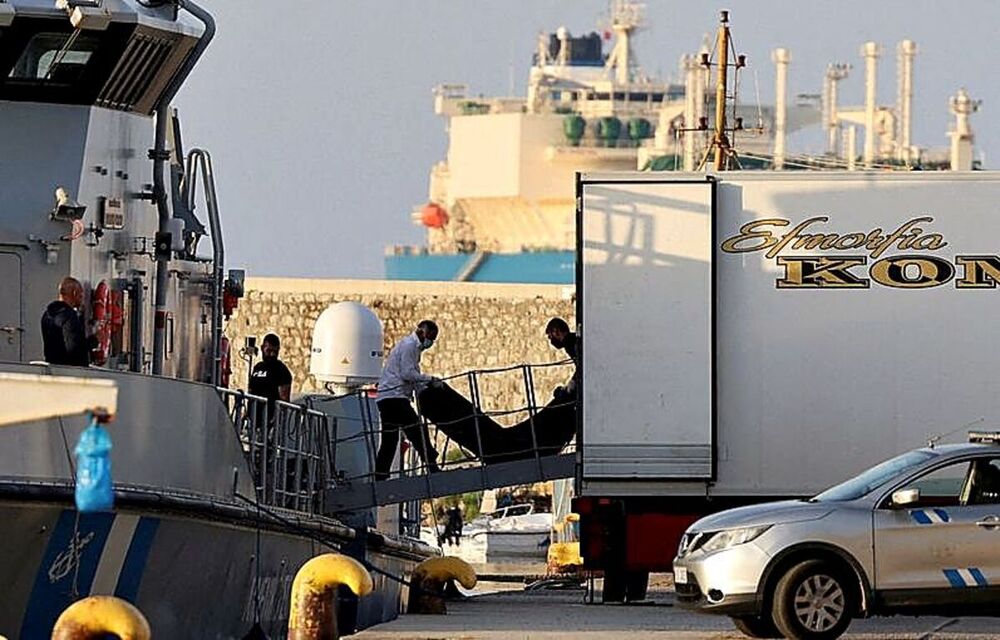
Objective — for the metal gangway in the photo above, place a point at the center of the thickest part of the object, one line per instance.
(473, 465)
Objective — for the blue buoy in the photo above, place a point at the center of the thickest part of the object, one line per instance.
(94, 491)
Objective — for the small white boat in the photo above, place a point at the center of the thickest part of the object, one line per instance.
(509, 534)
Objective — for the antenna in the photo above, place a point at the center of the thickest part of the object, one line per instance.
(720, 143)
(934, 439)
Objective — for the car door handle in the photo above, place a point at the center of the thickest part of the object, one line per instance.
(989, 522)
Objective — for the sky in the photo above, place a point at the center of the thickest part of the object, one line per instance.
(319, 113)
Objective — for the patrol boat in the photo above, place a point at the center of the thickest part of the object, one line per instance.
(218, 499)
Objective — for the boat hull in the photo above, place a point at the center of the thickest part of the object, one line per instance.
(192, 576)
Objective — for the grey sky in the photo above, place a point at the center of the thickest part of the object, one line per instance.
(319, 113)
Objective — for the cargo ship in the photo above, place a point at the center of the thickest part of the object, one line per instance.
(501, 205)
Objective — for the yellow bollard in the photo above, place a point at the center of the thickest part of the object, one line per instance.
(428, 581)
(97, 616)
(313, 614)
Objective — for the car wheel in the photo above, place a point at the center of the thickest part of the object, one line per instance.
(757, 626)
(813, 601)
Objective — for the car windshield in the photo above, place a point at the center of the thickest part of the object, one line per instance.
(873, 478)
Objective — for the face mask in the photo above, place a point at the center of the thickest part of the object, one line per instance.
(426, 344)
(556, 342)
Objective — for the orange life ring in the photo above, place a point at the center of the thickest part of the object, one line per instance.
(103, 315)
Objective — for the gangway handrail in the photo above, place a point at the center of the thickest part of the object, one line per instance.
(524, 461)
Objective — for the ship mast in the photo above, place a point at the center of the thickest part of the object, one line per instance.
(721, 145)
(626, 18)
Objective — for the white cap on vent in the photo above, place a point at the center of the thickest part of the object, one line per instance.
(347, 345)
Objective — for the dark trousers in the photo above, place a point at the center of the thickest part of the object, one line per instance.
(397, 415)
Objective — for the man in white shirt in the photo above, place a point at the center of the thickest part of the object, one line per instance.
(401, 378)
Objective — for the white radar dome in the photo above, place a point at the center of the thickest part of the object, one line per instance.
(347, 345)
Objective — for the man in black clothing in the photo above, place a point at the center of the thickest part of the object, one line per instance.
(270, 377)
(453, 526)
(561, 337)
(63, 336)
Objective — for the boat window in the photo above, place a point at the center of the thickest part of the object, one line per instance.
(46, 60)
(56, 58)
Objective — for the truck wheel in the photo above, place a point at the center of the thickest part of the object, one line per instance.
(813, 601)
(757, 626)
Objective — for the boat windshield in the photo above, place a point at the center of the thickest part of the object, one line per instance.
(58, 58)
(864, 483)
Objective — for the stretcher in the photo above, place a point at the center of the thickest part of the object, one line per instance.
(459, 419)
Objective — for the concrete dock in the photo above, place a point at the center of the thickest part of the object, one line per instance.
(551, 615)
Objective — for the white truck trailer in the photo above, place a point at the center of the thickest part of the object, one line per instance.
(761, 335)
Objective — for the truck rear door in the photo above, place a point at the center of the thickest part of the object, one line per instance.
(646, 281)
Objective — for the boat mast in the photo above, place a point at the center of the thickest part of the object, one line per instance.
(720, 142)
(721, 145)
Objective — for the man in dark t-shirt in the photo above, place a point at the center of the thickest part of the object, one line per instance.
(270, 377)
(272, 380)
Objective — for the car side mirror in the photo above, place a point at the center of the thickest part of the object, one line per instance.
(905, 497)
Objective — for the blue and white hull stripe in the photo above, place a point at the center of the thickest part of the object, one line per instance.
(930, 516)
(93, 553)
(971, 577)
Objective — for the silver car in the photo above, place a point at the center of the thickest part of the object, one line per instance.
(917, 534)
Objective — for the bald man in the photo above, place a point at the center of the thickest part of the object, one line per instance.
(62, 327)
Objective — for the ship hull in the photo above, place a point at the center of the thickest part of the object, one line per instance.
(191, 574)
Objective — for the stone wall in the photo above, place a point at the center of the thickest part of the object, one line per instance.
(482, 326)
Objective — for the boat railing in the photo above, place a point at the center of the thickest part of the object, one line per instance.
(287, 447)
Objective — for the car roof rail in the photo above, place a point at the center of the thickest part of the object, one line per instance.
(985, 437)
